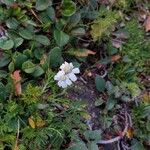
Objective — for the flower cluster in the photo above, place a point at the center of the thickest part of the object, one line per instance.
(66, 76)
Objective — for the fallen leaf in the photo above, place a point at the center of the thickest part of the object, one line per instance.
(147, 24)
(115, 58)
(81, 52)
(16, 147)
(40, 123)
(117, 43)
(146, 98)
(17, 82)
(130, 133)
(31, 122)
(43, 59)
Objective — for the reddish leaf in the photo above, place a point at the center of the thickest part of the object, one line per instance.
(115, 58)
(17, 82)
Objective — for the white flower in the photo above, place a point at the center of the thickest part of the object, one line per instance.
(66, 75)
(70, 71)
(63, 80)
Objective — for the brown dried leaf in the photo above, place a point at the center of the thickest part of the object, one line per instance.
(130, 133)
(147, 24)
(17, 82)
(115, 58)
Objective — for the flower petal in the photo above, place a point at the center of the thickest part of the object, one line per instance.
(76, 70)
(68, 82)
(72, 76)
(63, 84)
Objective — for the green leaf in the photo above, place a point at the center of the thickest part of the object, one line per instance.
(42, 4)
(19, 60)
(18, 42)
(100, 83)
(38, 71)
(61, 38)
(137, 146)
(110, 103)
(78, 146)
(74, 20)
(68, 8)
(6, 44)
(42, 39)
(78, 31)
(93, 146)
(99, 102)
(4, 61)
(55, 57)
(28, 67)
(3, 74)
(26, 34)
(3, 93)
(11, 67)
(8, 2)
(12, 23)
(51, 13)
(94, 135)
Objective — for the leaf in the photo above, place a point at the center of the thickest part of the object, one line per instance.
(28, 67)
(51, 13)
(6, 44)
(68, 8)
(12, 23)
(93, 146)
(3, 74)
(137, 146)
(31, 122)
(130, 133)
(100, 83)
(40, 123)
(38, 71)
(110, 103)
(146, 98)
(42, 4)
(81, 52)
(19, 60)
(55, 58)
(26, 34)
(115, 58)
(94, 135)
(17, 82)
(78, 31)
(3, 93)
(99, 102)
(78, 146)
(42, 39)
(4, 61)
(8, 2)
(147, 24)
(18, 42)
(61, 38)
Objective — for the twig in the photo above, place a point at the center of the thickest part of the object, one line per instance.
(116, 138)
(32, 11)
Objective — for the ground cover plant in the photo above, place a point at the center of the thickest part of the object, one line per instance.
(74, 74)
